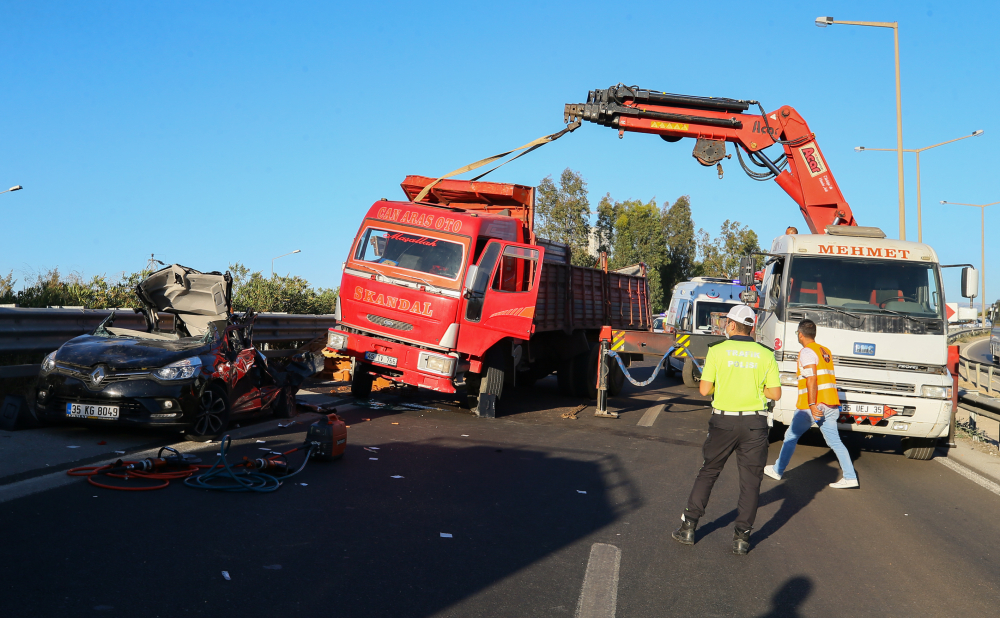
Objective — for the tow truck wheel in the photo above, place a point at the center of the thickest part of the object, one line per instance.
(212, 418)
(690, 374)
(919, 448)
(361, 382)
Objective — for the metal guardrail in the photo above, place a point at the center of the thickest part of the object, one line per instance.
(28, 331)
(968, 332)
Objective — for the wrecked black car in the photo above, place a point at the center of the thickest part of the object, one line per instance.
(198, 376)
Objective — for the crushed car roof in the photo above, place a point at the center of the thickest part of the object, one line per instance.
(179, 289)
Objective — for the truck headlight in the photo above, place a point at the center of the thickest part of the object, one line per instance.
(788, 379)
(49, 362)
(336, 340)
(935, 392)
(181, 370)
(444, 365)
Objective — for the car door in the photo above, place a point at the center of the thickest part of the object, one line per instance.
(501, 293)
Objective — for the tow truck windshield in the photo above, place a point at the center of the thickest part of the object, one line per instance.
(422, 254)
(895, 287)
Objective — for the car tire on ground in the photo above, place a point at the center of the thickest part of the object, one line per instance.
(284, 405)
(691, 374)
(919, 448)
(361, 382)
(212, 418)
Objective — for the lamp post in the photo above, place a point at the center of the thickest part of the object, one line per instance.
(823, 22)
(917, 151)
(982, 240)
(281, 256)
(14, 188)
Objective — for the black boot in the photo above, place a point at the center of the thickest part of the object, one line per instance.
(685, 534)
(741, 542)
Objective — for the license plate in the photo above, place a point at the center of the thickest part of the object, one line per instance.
(82, 410)
(863, 409)
(381, 359)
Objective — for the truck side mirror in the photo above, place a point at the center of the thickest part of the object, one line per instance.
(747, 267)
(470, 275)
(749, 297)
(970, 282)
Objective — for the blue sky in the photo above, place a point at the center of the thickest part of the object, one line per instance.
(209, 133)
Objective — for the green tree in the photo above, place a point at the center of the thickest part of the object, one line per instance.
(681, 248)
(721, 256)
(604, 229)
(638, 237)
(252, 290)
(563, 214)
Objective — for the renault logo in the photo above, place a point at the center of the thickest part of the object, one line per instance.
(97, 376)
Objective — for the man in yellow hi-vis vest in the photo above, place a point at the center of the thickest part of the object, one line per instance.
(818, 403)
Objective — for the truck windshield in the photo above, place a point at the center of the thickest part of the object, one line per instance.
(863, 285)
(704, 311)
(424, 254)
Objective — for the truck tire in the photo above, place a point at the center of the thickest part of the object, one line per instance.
(585, 374)
(564, 375)
(691, 374)
(919, 448)
(489, 382)
(361, 382)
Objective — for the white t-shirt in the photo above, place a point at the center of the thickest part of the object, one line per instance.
(807, 357)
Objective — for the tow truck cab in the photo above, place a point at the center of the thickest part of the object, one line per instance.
(423, 281)
(878, 305)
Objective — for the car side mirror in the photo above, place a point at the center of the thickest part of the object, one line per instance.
(747, 267)
(970, 282)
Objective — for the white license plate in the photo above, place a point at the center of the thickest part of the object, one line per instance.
(381, 359)
(863, 409)
(82, 410)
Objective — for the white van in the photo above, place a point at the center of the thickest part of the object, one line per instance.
(692, 304)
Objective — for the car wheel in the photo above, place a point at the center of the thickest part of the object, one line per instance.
(691, 374)
(212, 418)
(284, 405)
(361, 382)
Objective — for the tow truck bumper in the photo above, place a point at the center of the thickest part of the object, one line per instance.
(376, 356)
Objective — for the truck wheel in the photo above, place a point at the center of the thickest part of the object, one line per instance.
(668, 369)
(919, 448)
(616, 379)
(490, 384)
(564, 375)
(361, 382)
(691, 374)
(585, 374)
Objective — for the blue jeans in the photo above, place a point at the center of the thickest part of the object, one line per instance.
(801, 422)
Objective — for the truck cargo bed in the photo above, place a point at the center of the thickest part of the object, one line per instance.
(575, 297)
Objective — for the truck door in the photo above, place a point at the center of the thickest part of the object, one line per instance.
(500, 295)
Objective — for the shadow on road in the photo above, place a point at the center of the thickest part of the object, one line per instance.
(351, 541)
(787, 601)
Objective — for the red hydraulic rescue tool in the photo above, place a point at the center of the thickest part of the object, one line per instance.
(801, 171)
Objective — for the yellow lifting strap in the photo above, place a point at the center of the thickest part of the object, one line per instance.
(541, 141)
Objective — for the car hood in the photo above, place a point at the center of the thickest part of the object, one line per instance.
(179, 289)
(121, 353)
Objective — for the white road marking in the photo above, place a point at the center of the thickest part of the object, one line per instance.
(649, 417)
(599, 595)
(975, 477)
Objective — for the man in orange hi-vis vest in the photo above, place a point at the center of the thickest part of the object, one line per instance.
(818, 403)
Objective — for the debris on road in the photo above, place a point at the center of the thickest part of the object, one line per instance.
(225, 575)
(273, 567)
(396, 476)
(445, 535)
(572, 413)
(580, 491)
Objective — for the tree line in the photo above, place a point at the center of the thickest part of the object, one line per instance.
(633, 231)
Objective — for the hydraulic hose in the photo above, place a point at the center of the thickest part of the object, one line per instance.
(223, 477)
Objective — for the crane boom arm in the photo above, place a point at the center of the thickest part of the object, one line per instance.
(806, 177)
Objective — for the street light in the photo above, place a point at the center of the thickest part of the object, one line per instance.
(281, 256)
(823, 22)
(920, 231)
(14, 188)
(982, 240)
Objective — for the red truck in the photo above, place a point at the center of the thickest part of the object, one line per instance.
(457, 290)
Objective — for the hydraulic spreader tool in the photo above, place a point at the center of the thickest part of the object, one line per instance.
(325, 440)
(801, 171)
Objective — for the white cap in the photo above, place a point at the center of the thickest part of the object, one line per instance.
(741, 314)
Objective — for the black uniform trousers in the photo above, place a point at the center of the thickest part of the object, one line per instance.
(747, 435)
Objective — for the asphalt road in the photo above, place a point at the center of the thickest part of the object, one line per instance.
(979, 351)
(915, 540)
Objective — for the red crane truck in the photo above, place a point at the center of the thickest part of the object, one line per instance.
(456, 290)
